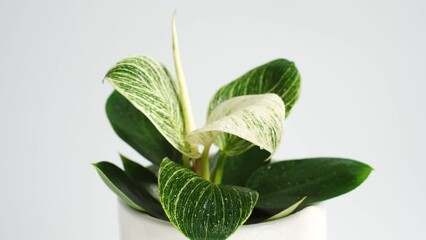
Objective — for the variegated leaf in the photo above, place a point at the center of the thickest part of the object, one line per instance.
(256, 118)
(149, 86)
(199, 208)
(279, 76)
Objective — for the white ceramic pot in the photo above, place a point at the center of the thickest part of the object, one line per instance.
(308, 224)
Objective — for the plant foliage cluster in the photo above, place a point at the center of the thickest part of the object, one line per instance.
(208, 196)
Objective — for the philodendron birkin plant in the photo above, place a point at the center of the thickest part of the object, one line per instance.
(204, 195)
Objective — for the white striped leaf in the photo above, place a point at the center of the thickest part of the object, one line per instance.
(279, 76)
(254, 119)
(199, 208)
(149, 86)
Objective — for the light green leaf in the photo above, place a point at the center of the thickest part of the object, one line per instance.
(199, 208)
(279, 76)
(286, 211)
(150, 88)
(256, 118)
(183, 91)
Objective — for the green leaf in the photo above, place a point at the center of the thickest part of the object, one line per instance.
(237, 169)
(150, 88)
(286, 211)
(128, 191)
(141, 175)
(256, 118)
(283, 183)
(136, 129)
(199, 208)
(279, 76)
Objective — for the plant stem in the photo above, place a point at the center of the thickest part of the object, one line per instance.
(219, 168)
(186, 161)
(205, 164)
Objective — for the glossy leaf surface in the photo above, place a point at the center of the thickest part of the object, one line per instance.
(142, 176)
(281, 184)
(286, 211)
(136, 129)
(199, 208)
(127, 190)
(237, 169)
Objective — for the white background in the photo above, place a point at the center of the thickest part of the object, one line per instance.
(363, 69)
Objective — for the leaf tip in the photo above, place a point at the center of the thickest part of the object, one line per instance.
(365, 173)
(122, 157)
(95, 164)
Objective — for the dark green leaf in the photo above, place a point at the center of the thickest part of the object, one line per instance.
(137, 130)
(283, 183)
(128, 191)
(141, 175)
(237, 169)
(199, 208)
(258, 215)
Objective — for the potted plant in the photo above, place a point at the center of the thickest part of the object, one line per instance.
(208, 196)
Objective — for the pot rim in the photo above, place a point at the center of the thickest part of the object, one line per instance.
(320, 208)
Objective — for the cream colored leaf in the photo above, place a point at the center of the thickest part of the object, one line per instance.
(257, 119)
